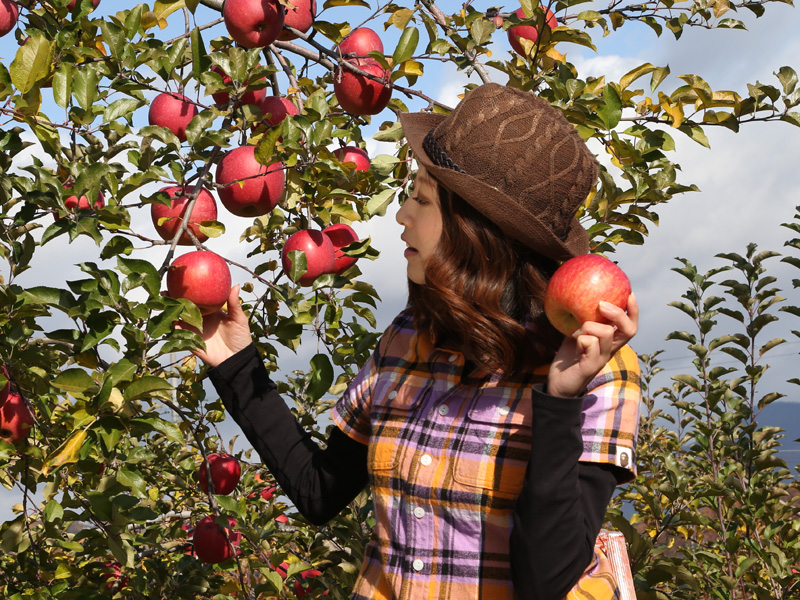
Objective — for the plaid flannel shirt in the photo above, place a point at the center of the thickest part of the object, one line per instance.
(447, 459)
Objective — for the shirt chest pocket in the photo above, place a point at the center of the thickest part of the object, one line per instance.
(494, 451)
(394, 415)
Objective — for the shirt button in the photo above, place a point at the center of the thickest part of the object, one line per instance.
(444, 409)
(453, 358)
(419, 512)
(426, 460)
(392, 394)
(503, 410)
(418, 565)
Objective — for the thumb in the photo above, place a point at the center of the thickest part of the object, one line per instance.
(235, 312)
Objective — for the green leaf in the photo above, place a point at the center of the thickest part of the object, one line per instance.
(146, 386)
(123, 107)
(406, 46)
(170, 430)
(61, 299)
(200, 61)
(482, 30)
(31, 63)
(74, 380)
(140, 272)
(62, 84)
(788, 78)
(611, 110)
(84, 87)
(133, 480)
(378, 204)
(299, 266)
(321, 376)
(394, 133)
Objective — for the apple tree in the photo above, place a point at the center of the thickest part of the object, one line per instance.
(178, 128)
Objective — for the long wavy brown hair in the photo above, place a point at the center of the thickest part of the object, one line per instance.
(484, 293)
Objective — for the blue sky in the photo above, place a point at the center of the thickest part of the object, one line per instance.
(748, 181)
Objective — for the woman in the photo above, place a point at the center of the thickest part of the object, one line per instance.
(492, 443)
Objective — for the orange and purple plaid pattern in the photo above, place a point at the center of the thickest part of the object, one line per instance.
(448, 451)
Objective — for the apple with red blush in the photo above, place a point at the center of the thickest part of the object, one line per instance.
(299, 15)
(225, 473)
(251, 97)
(202, 277)
(71, 5)
(9, 15)
(167, 218)
(250, 188)
(173, 111)
(359, 43)
(253, 23)
(353, 154)
(578, 286)
(528, 32)
(112, 575)
(276, 108)
(16, 419)
(213, 543)
(341, 235)
(361, 95)
(318, 250)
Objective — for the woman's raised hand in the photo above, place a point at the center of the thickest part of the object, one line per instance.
(581, 356)
(225, 333)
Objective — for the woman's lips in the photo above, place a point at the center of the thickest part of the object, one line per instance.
(410, 252)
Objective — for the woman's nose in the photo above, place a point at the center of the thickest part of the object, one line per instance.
(402, 216)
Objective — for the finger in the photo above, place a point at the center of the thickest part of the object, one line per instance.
(627, 323)
(602, 332)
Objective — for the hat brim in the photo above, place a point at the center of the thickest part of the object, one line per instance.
(491, 202)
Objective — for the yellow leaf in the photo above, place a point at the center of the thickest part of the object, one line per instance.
(411, 67)
(149, 19)
(556, 55)
(164, 8)
(67, 453)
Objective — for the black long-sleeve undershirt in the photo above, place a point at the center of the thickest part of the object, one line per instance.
(557, 516)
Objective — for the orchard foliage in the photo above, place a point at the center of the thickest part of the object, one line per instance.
(108, 476)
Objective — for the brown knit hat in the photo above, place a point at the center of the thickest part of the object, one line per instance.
(516, 159)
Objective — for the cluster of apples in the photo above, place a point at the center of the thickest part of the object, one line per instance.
(16, 419)
(212, 542)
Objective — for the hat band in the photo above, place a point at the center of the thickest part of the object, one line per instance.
(437, 154)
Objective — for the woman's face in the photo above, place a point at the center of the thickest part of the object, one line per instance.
(421, 218)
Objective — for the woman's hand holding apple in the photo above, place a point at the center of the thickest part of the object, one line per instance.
(225, 333)
(582, 355)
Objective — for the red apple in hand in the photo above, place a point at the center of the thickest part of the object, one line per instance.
(318, 250)
(353, 154)
(214, 543)
(16, 419)
(578, 286)
(221, 98)
(173, 111)
(225, 473)
(361, 95)
(360, 42)
(9, 14)
(202, 277)
(251, 189)
(253, 23)
(275, 109)
(528, 32)
(299, 15)
(205, 209)
(341, 235)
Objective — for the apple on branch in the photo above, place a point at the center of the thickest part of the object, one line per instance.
(359, 43)
(353, 154)
(202, 277)
(214, 543)
(318, 250)
(225, 473)
(276, 108)
(167, 218)
(71, 5)
(299, 15)
(9, 15)
(341, 235)
(528, 32)
(253, 23)
(250, 188)
(173, 111)
(6, 390)
(578, 286)
(16, 419)
(361, 95)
